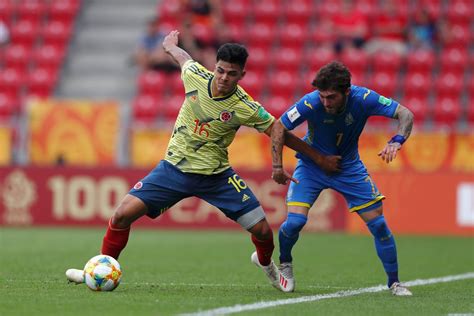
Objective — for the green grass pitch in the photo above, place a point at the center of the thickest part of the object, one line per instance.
(175, 272)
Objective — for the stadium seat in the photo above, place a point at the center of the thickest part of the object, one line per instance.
(292, 35)
(387, 62)
(433, 7)
(453, 60)
(64, 11)
(262, 35)
(7, 9)
(253, 84)
(267, 12)
(257, 60)
(56, 33)
(25, 33)
(34, 11)
(304, 82)
(322, 33)
(48, 57)
(277, 105)
(145, 108)
(17, 57)
(419, 107)
(298, 12)
(316, 58)
(447, 110)
(11, 82)
(171, 106)
(458, 36)
(287, 59)
(7, 106)
(355, 59)
(41, 83)
(235, 12)
(449, 85)
(421, 60)
(174, 84)
(383, 83)
(470, 111)
(328, 8)
(460, 12)
(417, 84)
(366, 7)
(282, 83)
(152, 83)
(169, 11)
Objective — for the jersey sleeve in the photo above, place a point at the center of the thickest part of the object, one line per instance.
(376, 104)
(298, 113)
(260, 120)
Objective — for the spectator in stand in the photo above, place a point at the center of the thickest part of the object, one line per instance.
(422, 32)
(149, 53)
(351, 27)
(4, 34)
(389, 28)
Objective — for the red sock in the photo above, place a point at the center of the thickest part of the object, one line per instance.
(264, 249)
(114, 241)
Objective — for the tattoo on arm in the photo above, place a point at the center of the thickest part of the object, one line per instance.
(405, 121)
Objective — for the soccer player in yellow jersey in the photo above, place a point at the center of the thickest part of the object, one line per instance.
(196, 162)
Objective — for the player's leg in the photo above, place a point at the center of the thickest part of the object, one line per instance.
(299, 200)
(228, 192)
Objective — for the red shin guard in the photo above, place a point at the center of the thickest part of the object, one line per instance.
(114, 241)
(264, 249)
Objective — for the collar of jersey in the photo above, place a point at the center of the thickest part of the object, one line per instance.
(209, 91)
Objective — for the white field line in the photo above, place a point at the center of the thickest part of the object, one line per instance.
(339, 294)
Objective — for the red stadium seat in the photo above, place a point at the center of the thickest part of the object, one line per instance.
(152, 83)
(421, 60)
(299, 12)
(417, 84)
(292, 35)
(328, 8)
(24, 33)
(458, 36)
(316, 58)
(145, 108)
(277, 105)
(257, 60)
(7, 106)
(41, 83)
(447, 111)
(322, 34)
(282, 83)
(170, 11)
(172, 105)
(419, 107)
(262, 35)
(56, 33)
(17, 57)
(253, 84)
(48, 57)
(175, 84)
(64, 11)
(355, 59)
(7, 9)
(433, 7)
(304, 82)
(449, 85)
(287, 59)
(11, 82)
(267, 12)
(34, 11)
(460, 12)
(453, 60)
(383, 83)
(470, 111)
(387, 62)
(366, 7)
(235, 12)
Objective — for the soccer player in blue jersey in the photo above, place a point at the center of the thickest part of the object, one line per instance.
(196, 161)
(336, 114)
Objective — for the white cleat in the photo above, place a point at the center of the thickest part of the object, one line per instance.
(271, 271)
(75, 275)
(286, 279)
(398, 289)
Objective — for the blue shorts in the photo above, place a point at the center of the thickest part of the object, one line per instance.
(166, 185)
(353, 182)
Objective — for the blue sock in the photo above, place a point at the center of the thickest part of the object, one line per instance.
(385, 246)
(289, 233)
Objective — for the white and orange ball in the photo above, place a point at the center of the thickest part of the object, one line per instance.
(102, 273)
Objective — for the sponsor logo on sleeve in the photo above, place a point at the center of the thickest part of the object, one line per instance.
(385, 101)
(293, 114)
(138, 185)
(366, 94)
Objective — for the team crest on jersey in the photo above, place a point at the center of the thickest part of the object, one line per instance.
(349, 119)
(192, 96)
(138, 185)
(225, 116)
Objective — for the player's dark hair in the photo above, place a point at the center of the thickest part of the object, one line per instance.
(233, 53)
(333, 76)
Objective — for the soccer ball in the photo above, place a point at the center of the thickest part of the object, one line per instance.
(102, 273)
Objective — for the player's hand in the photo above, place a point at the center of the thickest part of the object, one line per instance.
(170, 40)
(390, 152)
(330, 164)
(280, 176)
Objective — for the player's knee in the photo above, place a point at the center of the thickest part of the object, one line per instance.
(262, 230)
(293, 224)
(379, 229)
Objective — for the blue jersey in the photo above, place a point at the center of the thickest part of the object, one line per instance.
(338, 134)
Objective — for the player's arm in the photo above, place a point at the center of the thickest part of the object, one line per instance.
(170, 45)
(405, 125)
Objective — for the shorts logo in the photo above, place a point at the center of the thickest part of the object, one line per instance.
(138, 185)
(225, 116)
(245, 198)
(293, 114)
